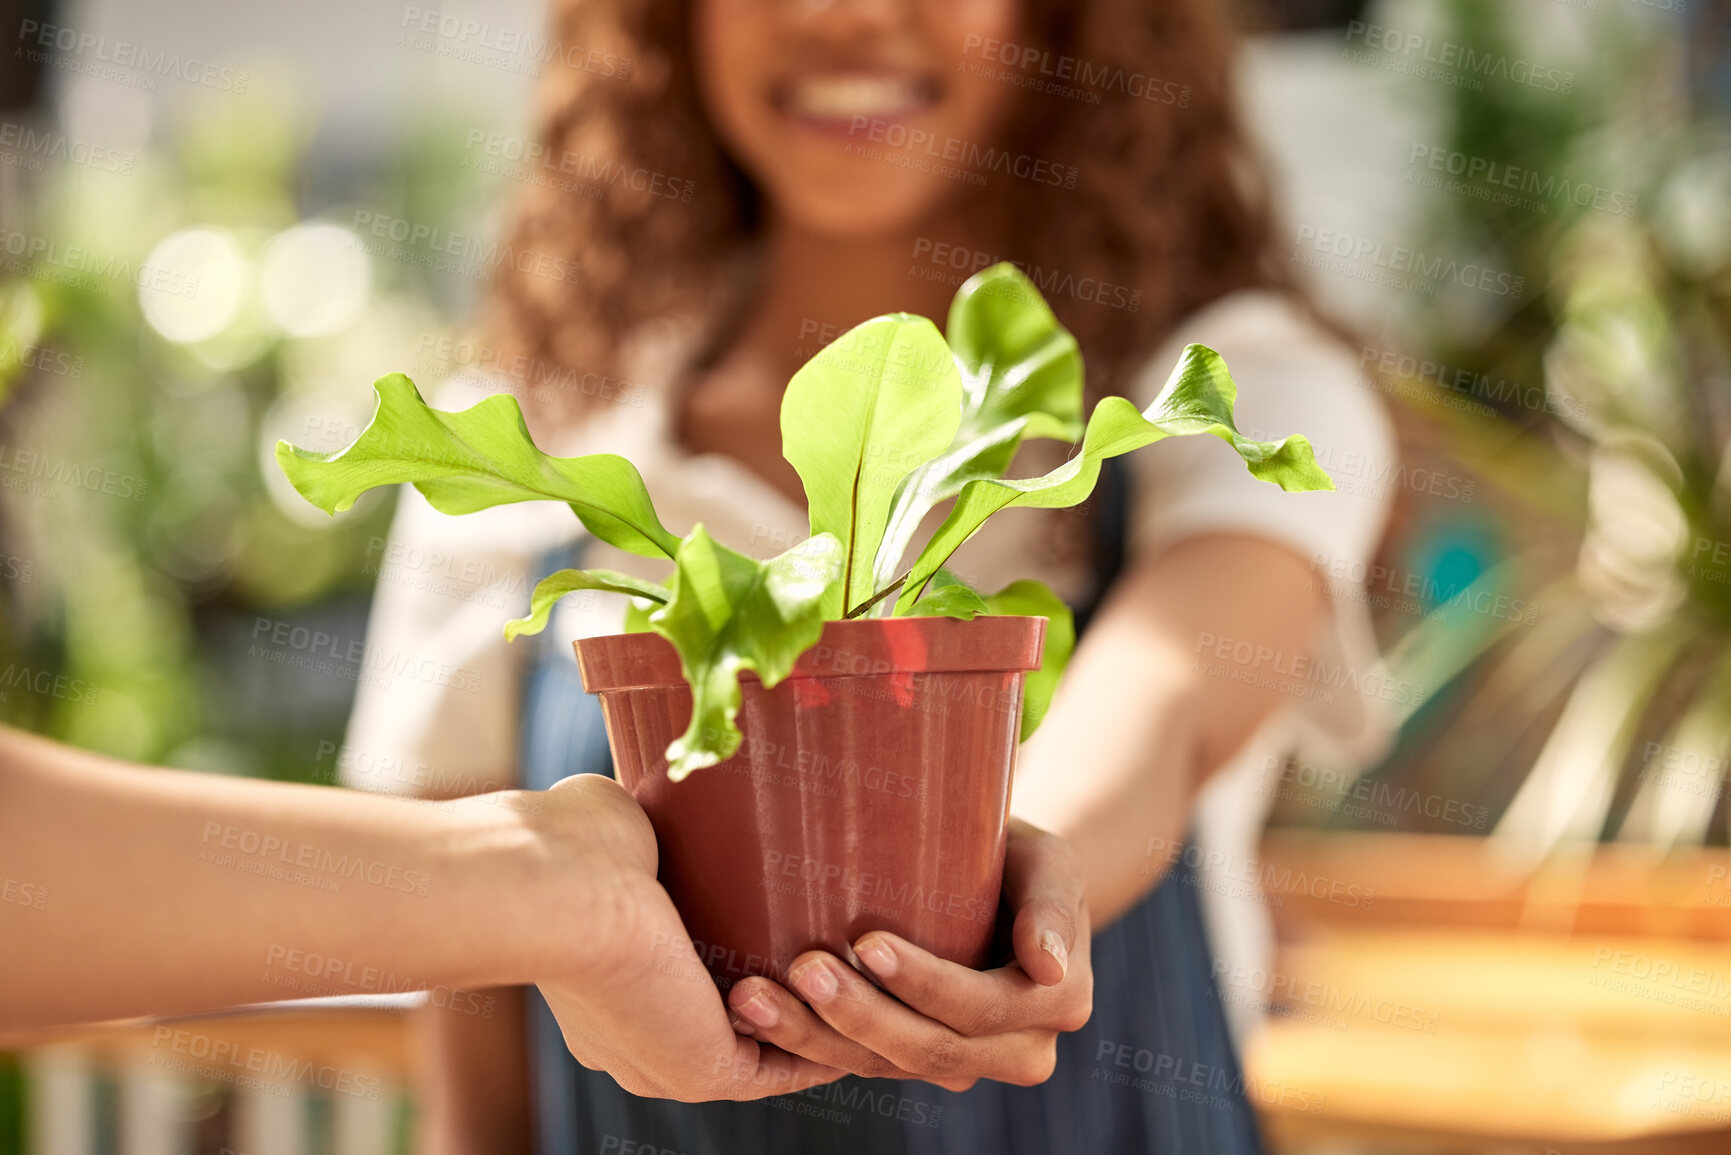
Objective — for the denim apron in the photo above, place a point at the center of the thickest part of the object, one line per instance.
(1152, 1073)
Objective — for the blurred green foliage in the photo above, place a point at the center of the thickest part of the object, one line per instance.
(1612, 499)
(143, 540)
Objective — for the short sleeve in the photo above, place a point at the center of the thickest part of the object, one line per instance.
(1292, 377)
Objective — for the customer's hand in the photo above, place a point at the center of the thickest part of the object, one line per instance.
(637, 1003)
(951, 1025)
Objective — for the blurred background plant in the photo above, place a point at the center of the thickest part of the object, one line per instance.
(1596, 413)
(160, 326)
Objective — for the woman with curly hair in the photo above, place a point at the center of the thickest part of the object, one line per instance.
(738, 182)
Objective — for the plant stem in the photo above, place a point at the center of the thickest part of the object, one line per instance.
(875, 598)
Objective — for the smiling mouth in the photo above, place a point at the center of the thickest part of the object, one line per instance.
(842, 98)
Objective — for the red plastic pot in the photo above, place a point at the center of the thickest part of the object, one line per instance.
(870, 792)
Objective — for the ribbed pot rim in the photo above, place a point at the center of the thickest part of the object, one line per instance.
(871, 647)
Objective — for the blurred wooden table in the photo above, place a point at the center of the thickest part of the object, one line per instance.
(1466, 1003)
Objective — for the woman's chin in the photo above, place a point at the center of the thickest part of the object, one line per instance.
(864, 210)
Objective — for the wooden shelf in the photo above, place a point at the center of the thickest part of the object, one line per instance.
(1590, 1004)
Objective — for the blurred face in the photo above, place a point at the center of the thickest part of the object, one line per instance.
(833, 106)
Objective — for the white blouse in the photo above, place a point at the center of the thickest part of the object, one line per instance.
(447, 584)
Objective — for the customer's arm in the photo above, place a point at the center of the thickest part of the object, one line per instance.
(133, 891)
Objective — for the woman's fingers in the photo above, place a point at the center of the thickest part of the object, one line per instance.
(952, 1025)
(1043, 884)
(977, 1003)
(912, 1042)
(774, 1016)
(757, 1071)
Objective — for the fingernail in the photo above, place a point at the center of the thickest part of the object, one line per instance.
(759, 1011)
(874, 951)
(739, 1025)
(1053, 944)
(815, 982)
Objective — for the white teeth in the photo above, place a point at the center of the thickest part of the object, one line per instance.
(846, 96)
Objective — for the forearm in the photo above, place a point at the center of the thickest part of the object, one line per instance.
(1139, 724)
(1114, 768)
(158, 891)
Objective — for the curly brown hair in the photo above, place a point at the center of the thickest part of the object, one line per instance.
(1168, 204)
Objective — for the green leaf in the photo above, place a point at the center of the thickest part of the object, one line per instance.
(857, 419)
(554, 586)
(1032, 599)
(948, 598)
(473, 460)
(729, 613)
(637, 612)
(1021, 377)
(1197, 399)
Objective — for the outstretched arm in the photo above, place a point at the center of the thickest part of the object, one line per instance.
(1148, 710)
(131, 891)
(1139, 723)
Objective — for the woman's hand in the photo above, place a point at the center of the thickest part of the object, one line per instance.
(634, 999)
(952, 1025)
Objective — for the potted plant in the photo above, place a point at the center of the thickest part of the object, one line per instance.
(824, 741)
